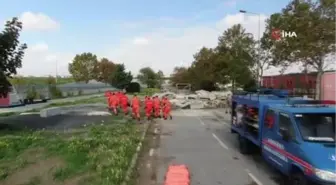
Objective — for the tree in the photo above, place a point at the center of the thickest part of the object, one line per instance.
(160, 78)
(180, 75)
(120, 78)
(83, 67)
(11, 53)
(148, 76)
(133, 87)
(104, 68)
(314, 24)
(235, 55)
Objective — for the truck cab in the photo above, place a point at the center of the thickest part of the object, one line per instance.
(294, 134)
(299, 141)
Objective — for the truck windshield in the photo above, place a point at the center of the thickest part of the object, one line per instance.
(317, 127)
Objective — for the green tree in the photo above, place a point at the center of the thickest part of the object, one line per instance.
(11, 53)
(160, 78)
(235, 50)
(180, 75)
(104, 68)
(314, 24)
(148, 76)
(83, 67)
(120, 78)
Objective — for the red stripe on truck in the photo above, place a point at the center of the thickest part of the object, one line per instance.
(306, 165)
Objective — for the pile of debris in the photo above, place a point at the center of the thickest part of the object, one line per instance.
(201, 99)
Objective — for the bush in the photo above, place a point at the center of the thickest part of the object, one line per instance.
(55, 92)
(150, 91)
(69, 94)
(208, 85)
(80, 92)
(31, 93)
(133, 87)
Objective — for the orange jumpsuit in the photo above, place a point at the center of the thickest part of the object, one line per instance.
(136, 108)
(124, 103)
(167, 109)
(156, 102)
(114, 103)
(108, 97)
(148, 108)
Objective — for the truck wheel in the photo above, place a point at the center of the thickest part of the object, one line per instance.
(243, 145)
(298, 179)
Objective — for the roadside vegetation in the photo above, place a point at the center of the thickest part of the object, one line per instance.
(95, 154)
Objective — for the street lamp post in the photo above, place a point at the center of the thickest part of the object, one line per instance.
(56, 71)
(259, 44)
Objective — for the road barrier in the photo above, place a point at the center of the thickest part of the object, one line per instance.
(177, 175)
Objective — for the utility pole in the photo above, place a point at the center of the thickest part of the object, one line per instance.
(259, 45)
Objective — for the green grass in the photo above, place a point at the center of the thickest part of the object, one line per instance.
(6, 114)
(103, 150)
(78, 102)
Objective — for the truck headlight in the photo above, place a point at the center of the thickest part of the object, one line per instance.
(326, 175)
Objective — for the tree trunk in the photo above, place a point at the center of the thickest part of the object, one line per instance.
(318, 84)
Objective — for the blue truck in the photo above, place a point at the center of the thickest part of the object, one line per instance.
(294, 135)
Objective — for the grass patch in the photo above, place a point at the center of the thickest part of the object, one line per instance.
(102, 150)
(6, 114)
(78, 102)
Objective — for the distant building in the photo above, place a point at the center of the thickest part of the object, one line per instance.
(303, 84)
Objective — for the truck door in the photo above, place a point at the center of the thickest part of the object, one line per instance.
(269, 139)
(287, 139)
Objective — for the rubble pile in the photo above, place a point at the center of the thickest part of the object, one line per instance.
(200, 100)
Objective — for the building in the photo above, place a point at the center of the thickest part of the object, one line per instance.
(296, 83)
(290, 81)
(328, 86)
(303, 84)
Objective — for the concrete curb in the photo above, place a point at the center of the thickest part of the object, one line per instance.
(135, 156)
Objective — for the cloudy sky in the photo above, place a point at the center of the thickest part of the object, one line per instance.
(161, 34)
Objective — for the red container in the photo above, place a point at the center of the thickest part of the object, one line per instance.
(328, 86)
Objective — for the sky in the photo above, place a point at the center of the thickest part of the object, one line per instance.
(160, 34)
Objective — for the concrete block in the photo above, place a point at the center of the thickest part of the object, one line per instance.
(52, 111)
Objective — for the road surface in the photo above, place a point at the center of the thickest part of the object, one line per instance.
(202, 140)
(40, 105)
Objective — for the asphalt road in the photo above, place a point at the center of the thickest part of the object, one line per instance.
(202, 140)
(73, 118)
(40, 105)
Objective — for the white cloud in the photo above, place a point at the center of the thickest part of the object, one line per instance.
(140, 41)
(169, 47)
(38, 22)
(39, 60)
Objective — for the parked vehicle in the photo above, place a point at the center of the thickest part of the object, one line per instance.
(294, 135)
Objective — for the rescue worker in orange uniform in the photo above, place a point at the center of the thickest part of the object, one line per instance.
(157, 106)
(135, 107)
(148, 108)
(162, 104)
(113, 101)
(167, 109)
(124, 103)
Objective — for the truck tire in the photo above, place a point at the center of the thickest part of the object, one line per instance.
(244, 145)
(298, 179)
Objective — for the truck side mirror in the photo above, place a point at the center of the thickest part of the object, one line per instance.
(285, 134)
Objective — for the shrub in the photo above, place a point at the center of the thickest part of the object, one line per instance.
(133, 87)
(208, 85)
(55, 92)
(150, 91)
(31, 93)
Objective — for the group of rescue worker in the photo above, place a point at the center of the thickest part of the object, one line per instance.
(154, 107)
